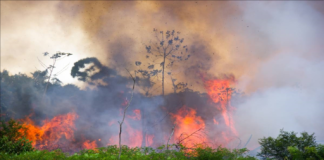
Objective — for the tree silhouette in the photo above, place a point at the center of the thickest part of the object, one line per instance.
(55, 57)
(163, 53)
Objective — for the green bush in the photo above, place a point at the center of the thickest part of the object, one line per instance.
(221, 153)
(310, 153)
(12, 140)
(280, 147)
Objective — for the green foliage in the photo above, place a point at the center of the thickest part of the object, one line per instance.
(19, 146)
(146, 153)
(12, 129)
(221, 153)
(12, 138)
(278, 147)
(310, 153)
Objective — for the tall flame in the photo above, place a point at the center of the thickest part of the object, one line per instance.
(54, 133)
(188, 125)
(220, 91)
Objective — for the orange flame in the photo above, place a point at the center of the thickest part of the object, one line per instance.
(89, 145)
(188, 125)
(220, 92)
(59, 129)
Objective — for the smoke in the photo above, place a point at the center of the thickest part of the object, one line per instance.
(285, 86)
(114, 32)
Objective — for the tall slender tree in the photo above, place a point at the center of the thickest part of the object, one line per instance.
(57, 56)
(164, 51)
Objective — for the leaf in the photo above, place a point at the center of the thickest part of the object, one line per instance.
(150, 66)
(148, 49)
(138, 63)
(170, 41)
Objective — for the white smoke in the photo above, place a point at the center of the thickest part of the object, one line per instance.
(287, 89)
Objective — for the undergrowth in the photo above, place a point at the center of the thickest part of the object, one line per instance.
(111, 153)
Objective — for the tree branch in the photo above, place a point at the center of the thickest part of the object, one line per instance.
(190, 135)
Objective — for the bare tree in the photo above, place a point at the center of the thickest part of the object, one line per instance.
(121, 123)
(164, 52)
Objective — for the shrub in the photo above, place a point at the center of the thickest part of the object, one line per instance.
(221, 153)
(310, 153)
(12, 138)
(278, 147)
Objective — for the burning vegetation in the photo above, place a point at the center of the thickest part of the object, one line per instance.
(199, 119)
(71, 119)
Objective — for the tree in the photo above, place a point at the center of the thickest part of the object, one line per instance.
(13, 138)
(57, 56)
(278, 147)
(145, 80)
(165, 51)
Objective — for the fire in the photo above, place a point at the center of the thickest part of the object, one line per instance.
(135, 136)
(220, 93)
(54, 133)
(188, 127)
(189, 130)
(89, 145)
(132, 137)
(136, 116)
(132, 130)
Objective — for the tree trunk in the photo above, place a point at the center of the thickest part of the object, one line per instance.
(49, 76)
(143, 128)
(163, 74)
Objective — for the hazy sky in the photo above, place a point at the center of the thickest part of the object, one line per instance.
(273, 48)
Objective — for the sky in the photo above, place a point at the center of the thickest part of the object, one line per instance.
(273, 48)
